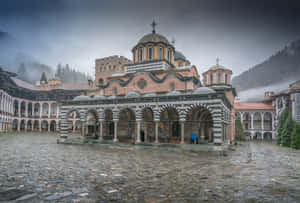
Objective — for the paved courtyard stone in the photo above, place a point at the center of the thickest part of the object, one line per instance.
(34, 168)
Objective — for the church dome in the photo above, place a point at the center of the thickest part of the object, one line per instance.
(203, 90)
(179, 55)
(132, 94)
(154, 38)
(81, 98)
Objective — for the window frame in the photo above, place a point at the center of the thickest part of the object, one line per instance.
(150, 53)
(160, 53)
(140, 54)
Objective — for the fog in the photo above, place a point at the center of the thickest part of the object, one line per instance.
(257, 94)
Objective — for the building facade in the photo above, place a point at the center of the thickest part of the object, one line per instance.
(157, 98)
(25, 107)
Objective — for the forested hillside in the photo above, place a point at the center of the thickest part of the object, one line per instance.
(70, 75)
(281, 67)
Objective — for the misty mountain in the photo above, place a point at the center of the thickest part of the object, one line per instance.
(15, 59)
(284, 66)
(31, 71)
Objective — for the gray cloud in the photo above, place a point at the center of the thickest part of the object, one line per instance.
(241, 33)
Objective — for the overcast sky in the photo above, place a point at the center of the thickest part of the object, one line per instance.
(241, 33)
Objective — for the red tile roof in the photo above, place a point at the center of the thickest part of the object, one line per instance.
(253, 106)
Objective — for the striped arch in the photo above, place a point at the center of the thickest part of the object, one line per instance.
(65, 114)
(127, 107)
(192, 106)
(147, 106)
(166, 106)
(94, 110)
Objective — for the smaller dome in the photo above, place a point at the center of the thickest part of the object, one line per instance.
(173, 93)
(153, 37)
(218, 67)
(99, 97)
(112, 97)
(178, 55)
(203, 90)
(81, 98)
(150, 95)
(132, 94)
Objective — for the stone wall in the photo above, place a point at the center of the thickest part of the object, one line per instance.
(106, 67)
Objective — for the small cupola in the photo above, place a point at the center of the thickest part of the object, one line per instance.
(217, 75)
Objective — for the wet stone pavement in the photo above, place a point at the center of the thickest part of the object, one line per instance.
(33, 168)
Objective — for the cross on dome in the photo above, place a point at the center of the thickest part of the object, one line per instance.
(217, 61)
(153, 24)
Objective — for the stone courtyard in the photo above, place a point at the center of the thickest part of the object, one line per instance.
(33, 168)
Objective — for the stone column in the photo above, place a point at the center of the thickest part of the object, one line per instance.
(40, 125)
(41, 109)
(19, 125)
(74, 125)
(49, 110)
(25, 127)
(19, 109)
(101, 130)
(262, 121)
(26, 109)
(242, 118)
(273, 122)
(115, 130)
(182, 131)
(156, 131)
(138, 131)
(57, 111)
(49, 126)
(252, 118)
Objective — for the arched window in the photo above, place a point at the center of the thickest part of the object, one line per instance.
(211, 78)
(226, 78)
(100, 81)
(140, 54)
(150, 53)
(161, 53)
(169, 55)
(205, 79)
(180, 64)
(219, 78)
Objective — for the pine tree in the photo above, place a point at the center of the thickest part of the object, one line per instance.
(58, 71)
(282, 119)
(293, 138)
(43, 79)
(295, 141)
(287, 131)
(239, 131)
(22, 70)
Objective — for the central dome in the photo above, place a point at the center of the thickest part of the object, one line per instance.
(153, 37)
